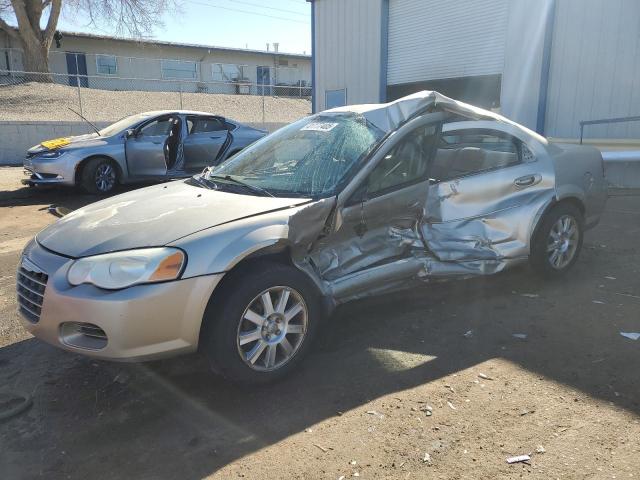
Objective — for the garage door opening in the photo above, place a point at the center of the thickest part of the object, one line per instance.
(481, 91)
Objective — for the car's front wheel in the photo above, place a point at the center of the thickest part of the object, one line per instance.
(263, 325)
(98, 176)
(557, 243)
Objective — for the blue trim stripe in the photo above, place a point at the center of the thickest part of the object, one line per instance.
(546, 67)
(313, 57)
(384, 49)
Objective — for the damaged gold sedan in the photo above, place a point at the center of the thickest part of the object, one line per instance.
(243, 261)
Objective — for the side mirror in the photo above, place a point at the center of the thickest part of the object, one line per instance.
(129, 133)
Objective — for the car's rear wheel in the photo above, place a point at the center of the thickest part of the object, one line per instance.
(263, 324)
(557, 243)
(99, 176)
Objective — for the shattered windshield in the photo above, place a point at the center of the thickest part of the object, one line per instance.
(307, 158)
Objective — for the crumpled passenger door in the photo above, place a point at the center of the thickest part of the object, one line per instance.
(488, 188)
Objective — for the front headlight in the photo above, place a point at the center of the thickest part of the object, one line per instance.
(51, 154)
(125, 269)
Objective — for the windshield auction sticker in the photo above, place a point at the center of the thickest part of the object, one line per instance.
(320, 126)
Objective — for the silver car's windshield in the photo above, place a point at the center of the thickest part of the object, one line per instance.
(123, 124)
(307, 158)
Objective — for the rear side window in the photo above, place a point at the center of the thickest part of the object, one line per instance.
(465, 152)
(205, 125)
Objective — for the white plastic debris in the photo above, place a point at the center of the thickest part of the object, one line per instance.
(519, 459)
(451, 406)
(631, 335)
(521, 336)
(485, 376)
(610, 278)
(426, 458)
(469, 334)
(540, 449)
(529, 295)
(599, 302)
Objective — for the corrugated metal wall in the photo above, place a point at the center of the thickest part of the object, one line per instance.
(432, 39)
(347, 49)
(595, 68)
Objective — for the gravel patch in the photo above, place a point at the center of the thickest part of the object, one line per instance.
(51, 102)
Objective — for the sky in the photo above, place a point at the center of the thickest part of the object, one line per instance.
(228, 23)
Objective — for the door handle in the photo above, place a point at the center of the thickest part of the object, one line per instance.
(527, 181)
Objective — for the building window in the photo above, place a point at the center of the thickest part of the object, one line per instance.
(227, 72)
(335, 98)
(106, 64)
(179, 69)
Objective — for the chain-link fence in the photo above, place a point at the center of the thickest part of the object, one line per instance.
(38, 106)
(28, 96)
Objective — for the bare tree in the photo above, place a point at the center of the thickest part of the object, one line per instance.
(37, 21)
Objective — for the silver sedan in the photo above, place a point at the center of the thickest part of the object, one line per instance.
(152, 146)
(244, 260)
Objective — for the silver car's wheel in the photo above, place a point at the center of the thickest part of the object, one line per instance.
(562, 242)
(98, 175)
(261, 322)
(272, 328)
(557, 241)
(105, 177)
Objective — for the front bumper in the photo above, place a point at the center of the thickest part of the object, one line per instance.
(59, 171)
(144, 322)
(36, 178)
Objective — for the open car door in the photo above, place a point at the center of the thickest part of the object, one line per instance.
(206, 139)
(148, 149)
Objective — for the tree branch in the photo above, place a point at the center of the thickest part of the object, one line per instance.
(52, 23)
(27, 33)
(12, 32)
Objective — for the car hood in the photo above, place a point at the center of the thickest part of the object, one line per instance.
(152, 216)
(68, 143)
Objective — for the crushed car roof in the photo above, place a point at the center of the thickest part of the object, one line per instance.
(390, 116)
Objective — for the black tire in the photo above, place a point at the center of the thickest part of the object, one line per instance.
(540, 258)
(99, 176)
(224, 320)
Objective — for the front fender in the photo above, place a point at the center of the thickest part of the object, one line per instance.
(219, 249)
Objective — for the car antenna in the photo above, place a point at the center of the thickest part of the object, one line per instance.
(83, 118)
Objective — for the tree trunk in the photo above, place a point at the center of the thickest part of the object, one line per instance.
(35, 58)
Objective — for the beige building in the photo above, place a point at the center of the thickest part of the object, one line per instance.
(115, 63)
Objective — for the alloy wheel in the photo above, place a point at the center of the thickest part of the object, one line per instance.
(272, 328)
(562, 242)
(105, 177)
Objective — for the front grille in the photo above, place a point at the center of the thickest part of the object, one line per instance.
(30, 287)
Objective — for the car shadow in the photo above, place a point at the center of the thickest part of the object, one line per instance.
(173, 419)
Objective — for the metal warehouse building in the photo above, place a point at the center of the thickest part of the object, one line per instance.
(548, 64)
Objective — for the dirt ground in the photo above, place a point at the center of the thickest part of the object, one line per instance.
(568, 393)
